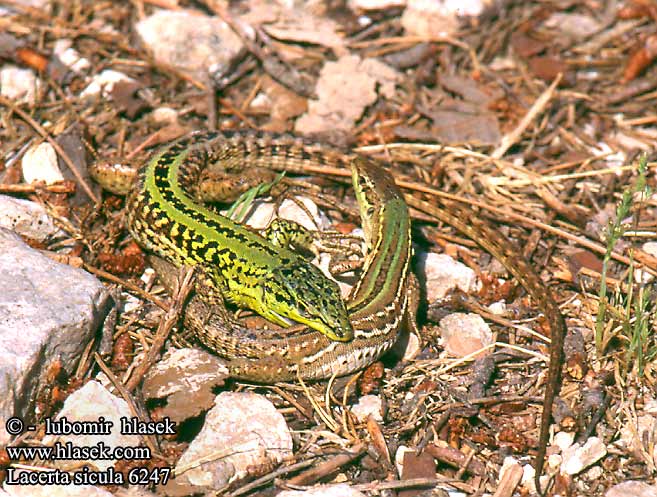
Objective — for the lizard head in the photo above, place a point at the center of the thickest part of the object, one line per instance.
(297, 291)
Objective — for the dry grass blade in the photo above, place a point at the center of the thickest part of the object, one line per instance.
(512, 138)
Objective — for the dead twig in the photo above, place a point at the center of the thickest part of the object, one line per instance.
(126, 284)
(150, 440)
(59, 187)
(510, 480)
(328, 467)
(414, 483)
(245, 489)
(163, 330)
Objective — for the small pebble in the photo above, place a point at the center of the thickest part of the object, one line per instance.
(577, 458)
(464, 334)
(104, 82)
(368, 405)
(40, 164)
(443, 274)
(18, 84)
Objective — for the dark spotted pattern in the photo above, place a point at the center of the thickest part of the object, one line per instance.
(377, 312)
(245, 268)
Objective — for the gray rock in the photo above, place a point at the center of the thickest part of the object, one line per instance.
(242, 432)
(48, 313)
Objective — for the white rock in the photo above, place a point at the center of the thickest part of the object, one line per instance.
(429, 18)
(443, 274)
(368, 405)
(27, 218)
(468, 8)
(261, 101)
(164, 115)
(463, 334)
(575, 25)
(503, 63)
(264, 212)
(577, 458)
(242, 431)
(103, 83)
(291, 210)
(69, 56)
(511, 472)
(190, 42)
(632, 489)
(37, 4)
(528, 473)
(650, 406)
(18, 84)
(564, 439)
(40, 164)
(592, 474)
(413, 347)
(554, 461)
(498, 308)
(614, 159)
(339, 490)
(640, 275)
(93, 403)
(650, 248)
